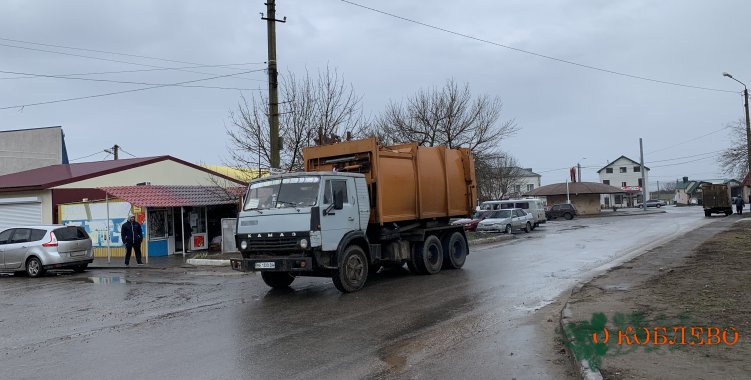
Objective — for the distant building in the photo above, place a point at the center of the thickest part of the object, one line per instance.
(26, 149)
(625, 174)
(526, 181)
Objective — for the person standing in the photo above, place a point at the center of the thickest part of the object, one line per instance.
(132, 236)
(739, 204)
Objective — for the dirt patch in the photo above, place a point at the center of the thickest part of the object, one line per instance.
(699, 280)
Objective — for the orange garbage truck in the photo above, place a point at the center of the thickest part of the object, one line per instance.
(358, 206)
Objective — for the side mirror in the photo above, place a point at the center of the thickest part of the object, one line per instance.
(338, 200)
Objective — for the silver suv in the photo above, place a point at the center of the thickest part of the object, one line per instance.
(34, 249)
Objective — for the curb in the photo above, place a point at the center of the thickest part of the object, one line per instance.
(490, 240)
(208, 262)
(585, 372)
(623, 213)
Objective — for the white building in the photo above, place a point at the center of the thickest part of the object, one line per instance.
(526, 181)
(623, 173)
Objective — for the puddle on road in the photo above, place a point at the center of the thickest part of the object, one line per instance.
(103, 280)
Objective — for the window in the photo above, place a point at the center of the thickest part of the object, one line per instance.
(22, 235)
(37, 235)
(338, 186)
(518, 188)
(618, 199)
(5, 236)
(522, 205)
(623, 169)
(157, 225)
(70, 233)
(530, 187)
(606, 181)
(608, 170)
(623, 184)
(640, 183)
(637, 169)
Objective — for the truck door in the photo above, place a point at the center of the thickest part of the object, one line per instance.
(337, 222)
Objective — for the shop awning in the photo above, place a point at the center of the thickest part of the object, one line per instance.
(176, 196)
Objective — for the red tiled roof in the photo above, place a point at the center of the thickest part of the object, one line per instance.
(176, 196)
(56, 175)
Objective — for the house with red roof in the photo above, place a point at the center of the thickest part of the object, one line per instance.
(179, 204)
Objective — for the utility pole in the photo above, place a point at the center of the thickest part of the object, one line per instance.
(273, 82)
(113, 151)
(643, 180)
(579, 172)
(748, 130)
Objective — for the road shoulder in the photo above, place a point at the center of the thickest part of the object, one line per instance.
(699, 279)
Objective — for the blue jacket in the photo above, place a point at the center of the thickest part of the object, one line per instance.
(131, 233)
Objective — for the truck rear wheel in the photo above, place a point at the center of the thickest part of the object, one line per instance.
(454, 251)
(352, 270)
(428, 256)
(277, 280)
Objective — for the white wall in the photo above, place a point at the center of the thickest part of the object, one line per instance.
(617, 178)
(165, 172)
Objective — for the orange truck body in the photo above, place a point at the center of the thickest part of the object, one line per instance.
(406, 182)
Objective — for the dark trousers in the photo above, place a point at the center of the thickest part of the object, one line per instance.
(128, 247)
(739, 209)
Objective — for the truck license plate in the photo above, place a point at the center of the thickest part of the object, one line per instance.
(269, 265)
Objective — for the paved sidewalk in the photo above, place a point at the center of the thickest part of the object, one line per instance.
(160, 262)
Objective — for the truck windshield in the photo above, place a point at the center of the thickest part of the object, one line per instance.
(281, 193)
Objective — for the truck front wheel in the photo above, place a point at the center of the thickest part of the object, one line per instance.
(352, 271)
(277, 280)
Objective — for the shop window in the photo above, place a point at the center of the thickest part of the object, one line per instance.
(618, 199)
(157, 224)
(197, 220)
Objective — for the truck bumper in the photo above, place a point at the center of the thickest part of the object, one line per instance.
(273, 264)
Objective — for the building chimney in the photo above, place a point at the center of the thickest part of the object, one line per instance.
(685, 179)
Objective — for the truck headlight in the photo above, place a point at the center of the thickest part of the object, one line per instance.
(243, 245)
(303, 243)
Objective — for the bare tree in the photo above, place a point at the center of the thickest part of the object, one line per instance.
(448, 116)
(734, 160)
(308, 105)
(498, 175)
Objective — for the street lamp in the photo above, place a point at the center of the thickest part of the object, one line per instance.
(748, 123)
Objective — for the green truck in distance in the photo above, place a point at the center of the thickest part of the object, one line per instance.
(716, 199)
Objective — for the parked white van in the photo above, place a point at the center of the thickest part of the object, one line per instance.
(532, 206)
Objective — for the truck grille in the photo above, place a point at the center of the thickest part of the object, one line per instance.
(273, 243)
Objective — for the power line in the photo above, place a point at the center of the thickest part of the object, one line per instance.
(679, 158)
(682, 163)
(122, 82)
(124, 151)
(590, 67)
(690, 140)
(106, 59)
(123, 92)
(139, 70)
(109, 52)
(81, 158)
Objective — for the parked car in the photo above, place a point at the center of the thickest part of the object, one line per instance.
(561, 210)
(470, 224)
(654, 203)
(532, 206)
(35, 249)
(508, 221)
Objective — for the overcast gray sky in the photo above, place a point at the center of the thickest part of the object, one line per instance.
(566, 113)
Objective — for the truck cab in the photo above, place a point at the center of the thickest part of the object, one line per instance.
(293, 224)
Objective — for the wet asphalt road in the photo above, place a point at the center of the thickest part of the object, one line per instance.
(478, 322)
